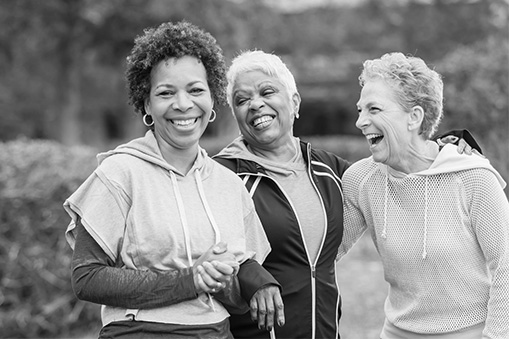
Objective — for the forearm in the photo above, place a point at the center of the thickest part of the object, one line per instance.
(231, 298)
(96, 279)
(131, 288)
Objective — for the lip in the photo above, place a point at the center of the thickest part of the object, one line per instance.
(373, 139)
(253, 122)
(184, 122)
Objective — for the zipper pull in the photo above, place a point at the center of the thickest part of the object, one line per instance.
(313, 271)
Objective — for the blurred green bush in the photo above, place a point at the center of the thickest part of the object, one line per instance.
(36, 299)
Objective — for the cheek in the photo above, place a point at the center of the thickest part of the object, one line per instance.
(394, 131)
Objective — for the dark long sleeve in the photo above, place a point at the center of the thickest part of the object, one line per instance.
(252, 276)
(462, 134)
(96, 278)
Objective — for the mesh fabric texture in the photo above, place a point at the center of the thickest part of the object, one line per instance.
(444, 244)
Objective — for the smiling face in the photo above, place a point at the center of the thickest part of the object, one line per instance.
(384, 122)
(264, 110)
(180, 102)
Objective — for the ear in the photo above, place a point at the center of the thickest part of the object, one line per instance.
(415, 118)
(147, 105)
(296, 100)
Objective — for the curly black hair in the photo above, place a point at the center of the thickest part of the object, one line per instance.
(173, 40)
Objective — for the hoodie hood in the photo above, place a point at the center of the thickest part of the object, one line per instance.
(147, 149)
(449, 160)
(238, 149)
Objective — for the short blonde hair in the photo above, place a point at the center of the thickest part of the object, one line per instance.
(415, 85)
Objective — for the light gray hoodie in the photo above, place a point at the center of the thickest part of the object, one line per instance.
(138, 207)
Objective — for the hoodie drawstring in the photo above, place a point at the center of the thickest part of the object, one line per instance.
(183, 219)
(384, 230)
(425, 237)
(185, 228)
(207, 207)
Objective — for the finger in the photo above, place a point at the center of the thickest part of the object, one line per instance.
(280, 309)
(199, 284)
(269, 317)
(221, 278)
(220, 247)
(450, 139)
(262, 313)
(210, 282)
(253, 308)
(463, 147)
(223, 268)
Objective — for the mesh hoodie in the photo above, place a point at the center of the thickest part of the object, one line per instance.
(146, 214)
(443, 238)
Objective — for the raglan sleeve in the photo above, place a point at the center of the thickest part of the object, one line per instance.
(490, 219)
(354, 221)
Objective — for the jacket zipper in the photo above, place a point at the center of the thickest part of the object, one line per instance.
(312, 265)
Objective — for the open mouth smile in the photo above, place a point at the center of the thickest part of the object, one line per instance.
(184, 123)
(262, 121)
(374, 139)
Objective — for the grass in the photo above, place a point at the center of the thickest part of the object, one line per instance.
(363, 290)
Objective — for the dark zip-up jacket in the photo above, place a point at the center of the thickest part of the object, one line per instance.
(309, 289)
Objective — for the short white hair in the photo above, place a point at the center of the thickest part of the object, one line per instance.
(256, 60)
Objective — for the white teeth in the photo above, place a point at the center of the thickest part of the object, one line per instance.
(184, 123)
(373, 136)
(262, 119)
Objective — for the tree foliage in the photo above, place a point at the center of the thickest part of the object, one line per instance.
(62, 66)
(36, 299)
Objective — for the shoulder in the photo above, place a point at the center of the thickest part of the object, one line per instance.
(222, 172)
(325, 159)
(119, 167)
(228, 163)
(360, 170)
(480, 178)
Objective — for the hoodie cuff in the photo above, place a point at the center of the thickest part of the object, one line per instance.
(252, 277)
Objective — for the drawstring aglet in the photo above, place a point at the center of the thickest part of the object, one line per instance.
(211, 302)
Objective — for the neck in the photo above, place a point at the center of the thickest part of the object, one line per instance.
(282, 153)
(418, 157)
(181, 159)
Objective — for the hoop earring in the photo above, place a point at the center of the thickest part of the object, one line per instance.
(213, 116)
(148, 124)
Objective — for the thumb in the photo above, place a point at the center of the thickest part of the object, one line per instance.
(220, 247)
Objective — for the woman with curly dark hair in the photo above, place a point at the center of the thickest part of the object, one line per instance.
(159, 229)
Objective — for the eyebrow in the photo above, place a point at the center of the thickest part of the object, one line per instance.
(192, 83)
(368, 104)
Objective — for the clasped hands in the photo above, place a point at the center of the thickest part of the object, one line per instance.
(214, 269)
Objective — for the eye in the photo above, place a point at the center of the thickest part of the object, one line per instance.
(239, 101)
(267, 91)
(374, 109)
(165, 93)
(196, 90)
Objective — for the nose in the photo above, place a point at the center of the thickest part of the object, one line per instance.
(362, 121)
(256, 103)
(182, 102)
